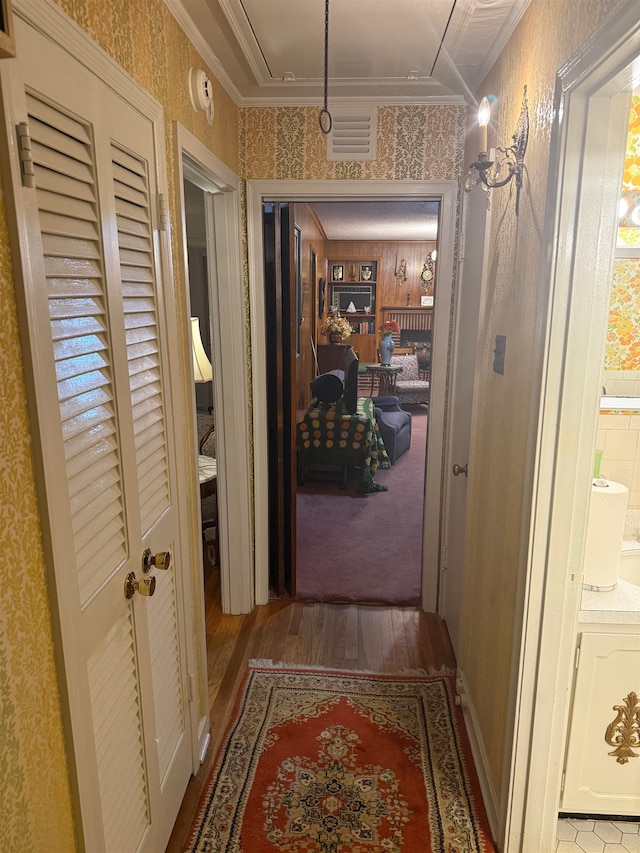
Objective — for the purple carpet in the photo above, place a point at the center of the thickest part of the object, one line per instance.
(366, 548)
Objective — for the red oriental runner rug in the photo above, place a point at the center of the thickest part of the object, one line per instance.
(317, 761)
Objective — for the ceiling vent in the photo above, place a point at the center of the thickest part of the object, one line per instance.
(353, 134)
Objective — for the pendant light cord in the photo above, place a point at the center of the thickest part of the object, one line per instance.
(324, 118)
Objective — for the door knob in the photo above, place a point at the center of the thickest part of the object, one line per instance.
(458, 469)
(161, 560)
(145, 586)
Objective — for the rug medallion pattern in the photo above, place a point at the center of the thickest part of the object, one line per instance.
(328, 762)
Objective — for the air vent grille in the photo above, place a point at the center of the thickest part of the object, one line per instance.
(353, 135)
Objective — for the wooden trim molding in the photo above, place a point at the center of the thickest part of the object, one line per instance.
(7, 40)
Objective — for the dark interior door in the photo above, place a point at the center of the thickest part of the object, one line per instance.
(282, 322)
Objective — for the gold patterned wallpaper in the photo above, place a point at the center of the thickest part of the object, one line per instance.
(549, 33)
(414, 142)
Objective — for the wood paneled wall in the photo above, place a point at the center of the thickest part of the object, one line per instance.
(390, 291)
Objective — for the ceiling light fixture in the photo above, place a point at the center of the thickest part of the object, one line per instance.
(324, 119)
(490, 172)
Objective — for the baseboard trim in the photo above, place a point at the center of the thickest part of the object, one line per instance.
(479, 753)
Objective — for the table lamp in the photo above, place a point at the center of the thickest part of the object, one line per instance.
(202, 370)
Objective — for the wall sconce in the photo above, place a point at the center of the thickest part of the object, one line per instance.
(491, 172)
(202, 370)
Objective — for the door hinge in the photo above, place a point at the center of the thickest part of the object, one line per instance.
(190, 687)
(562, 781)
(445, 557)
(26, 155)
(161, 203)
(577, 660)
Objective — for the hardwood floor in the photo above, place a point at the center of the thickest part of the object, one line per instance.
(345, 636)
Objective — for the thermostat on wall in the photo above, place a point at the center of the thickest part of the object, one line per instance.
(201, 93)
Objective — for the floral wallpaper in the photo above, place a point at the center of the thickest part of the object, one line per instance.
(627, 234)
(623, 337)
(414, 142)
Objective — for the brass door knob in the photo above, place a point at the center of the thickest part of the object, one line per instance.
(458, 469)
(145, 586)
(161, 560)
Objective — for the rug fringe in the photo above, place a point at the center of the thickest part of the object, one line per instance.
(268, 663)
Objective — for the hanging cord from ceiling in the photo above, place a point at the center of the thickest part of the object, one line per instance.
(324, 119)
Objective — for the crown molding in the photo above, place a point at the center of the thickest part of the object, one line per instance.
(201, 45)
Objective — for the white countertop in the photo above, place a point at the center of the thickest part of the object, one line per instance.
(619, 606)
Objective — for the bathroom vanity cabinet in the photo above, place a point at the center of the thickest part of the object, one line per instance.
(604, 720)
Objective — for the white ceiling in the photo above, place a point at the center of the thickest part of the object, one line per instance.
(376, 47)
(378, 220)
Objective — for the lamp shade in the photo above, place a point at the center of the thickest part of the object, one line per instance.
(202, 370)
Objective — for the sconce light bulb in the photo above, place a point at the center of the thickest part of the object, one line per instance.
(434, 254)
(484, 113)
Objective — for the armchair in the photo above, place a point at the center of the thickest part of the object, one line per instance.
(410, 388)
(394, 425)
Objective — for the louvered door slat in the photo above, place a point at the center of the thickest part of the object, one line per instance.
(125, 776)
(81, 345)
(57, 244)
(131, 241)
(67, 165)
(90, 510)
(55, 223)
(86, 439)
(166, 672)
(98, 449)
(63, 307)
(77, 366)
(77, 405)
(138, 320)
(87, 421)
(44, 113)
(144, 377)
(61, 185)
(64, 205)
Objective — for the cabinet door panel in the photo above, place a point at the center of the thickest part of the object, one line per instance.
(595, 780)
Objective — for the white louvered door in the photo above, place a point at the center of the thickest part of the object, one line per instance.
(98, 338)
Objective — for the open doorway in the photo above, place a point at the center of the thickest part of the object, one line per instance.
(445, 193)
(373, 265)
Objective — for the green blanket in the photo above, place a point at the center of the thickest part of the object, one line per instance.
(329, 435)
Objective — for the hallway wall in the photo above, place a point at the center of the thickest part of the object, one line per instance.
(501, 457)
(34, 788)
(414, 143)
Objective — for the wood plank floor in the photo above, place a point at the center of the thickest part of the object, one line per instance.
(345, 636)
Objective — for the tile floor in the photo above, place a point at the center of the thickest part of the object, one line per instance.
(597, 836)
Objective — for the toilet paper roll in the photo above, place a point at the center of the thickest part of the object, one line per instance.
(605, 531)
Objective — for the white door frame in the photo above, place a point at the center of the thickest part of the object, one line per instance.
(196, 163)
(472, 269)
(446, 193)
(583, 189)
